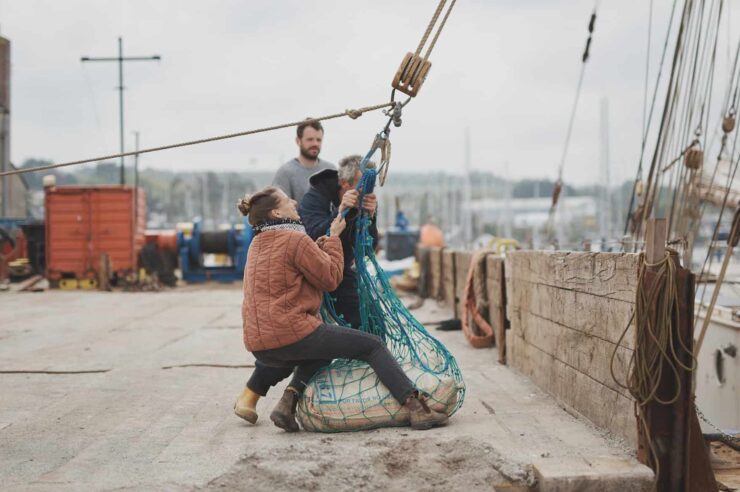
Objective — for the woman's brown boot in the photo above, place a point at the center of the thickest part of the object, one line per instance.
(422, 417)
(283, 415)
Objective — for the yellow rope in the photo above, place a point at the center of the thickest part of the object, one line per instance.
(352, 113)
(655, 343)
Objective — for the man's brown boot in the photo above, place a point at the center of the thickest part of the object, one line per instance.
(422, 417)
(283, 415)
(246, 406)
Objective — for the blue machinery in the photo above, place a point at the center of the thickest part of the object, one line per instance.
(233, 242)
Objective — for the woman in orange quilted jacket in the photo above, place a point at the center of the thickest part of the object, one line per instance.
(286, 276)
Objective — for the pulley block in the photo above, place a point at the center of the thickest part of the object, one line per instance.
(411, 74)
(694, 158)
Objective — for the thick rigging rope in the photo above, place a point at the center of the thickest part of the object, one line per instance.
(584, 58)
(645, 209)
(647, 68)
(703, 107)
(439, 31)
(676, 108)
(695, 105)
(707, 264)
(706, 105)
(413, 69)
(638, 177)
(351, 113)
(430, 26)
(686, 117)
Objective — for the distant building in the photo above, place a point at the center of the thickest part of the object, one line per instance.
(527, 213)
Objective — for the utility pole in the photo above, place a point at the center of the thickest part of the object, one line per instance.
(120, 59)
(467, 219)
(136, 181)
(605, 218)
(136, 205)
(508, 233)
(5, 125)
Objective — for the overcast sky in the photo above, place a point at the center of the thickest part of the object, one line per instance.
(507, 69)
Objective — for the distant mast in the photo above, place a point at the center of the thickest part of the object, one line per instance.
(507, 202)
(5, 125)
(605, 202)
(467, 219)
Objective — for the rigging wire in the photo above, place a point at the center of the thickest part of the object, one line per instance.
(647, 68)
(351, 113)
(584, 58)
(666, 121)
(706, 106)
(638, 177)
(96, 113)
(692, 105)
(707, 264)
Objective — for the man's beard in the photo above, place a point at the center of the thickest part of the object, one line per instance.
(308, 155)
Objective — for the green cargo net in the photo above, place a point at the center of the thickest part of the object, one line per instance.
(347, 395)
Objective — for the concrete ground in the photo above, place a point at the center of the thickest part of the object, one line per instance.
(119, 391)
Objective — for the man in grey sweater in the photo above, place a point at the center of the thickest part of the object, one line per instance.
(292, 177)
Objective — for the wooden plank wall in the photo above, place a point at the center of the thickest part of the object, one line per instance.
(496, 292)
(446, 272)
(567, 312)
(448, 277)
(435, 272)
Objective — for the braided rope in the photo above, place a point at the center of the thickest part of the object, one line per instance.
(351, 113)
(439, 31)
(655, 345)
(424, 38)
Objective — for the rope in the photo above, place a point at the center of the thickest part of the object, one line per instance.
(649, 119)
(656, 343)
(352, 113)
(732, 240)
(424, 38)
(694, 104)
(667, 110)
(707, 263)
(439, 31)
(647, 68)
(470, 296)
(584, 59)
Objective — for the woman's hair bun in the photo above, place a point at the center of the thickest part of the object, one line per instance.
(244, 205)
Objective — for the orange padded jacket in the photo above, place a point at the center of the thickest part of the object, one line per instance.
(286, 276)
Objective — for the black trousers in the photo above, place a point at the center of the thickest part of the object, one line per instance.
(330, 342)
(347, 301)
(347, 304)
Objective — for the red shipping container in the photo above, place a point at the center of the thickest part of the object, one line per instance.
(82, 222)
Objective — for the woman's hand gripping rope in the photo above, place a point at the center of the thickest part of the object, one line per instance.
(337, 225)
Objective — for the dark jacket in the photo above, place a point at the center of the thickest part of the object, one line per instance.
(320, 206)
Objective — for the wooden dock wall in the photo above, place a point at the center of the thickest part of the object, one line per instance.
(567, 311)
(557, 318)
(445, 271)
